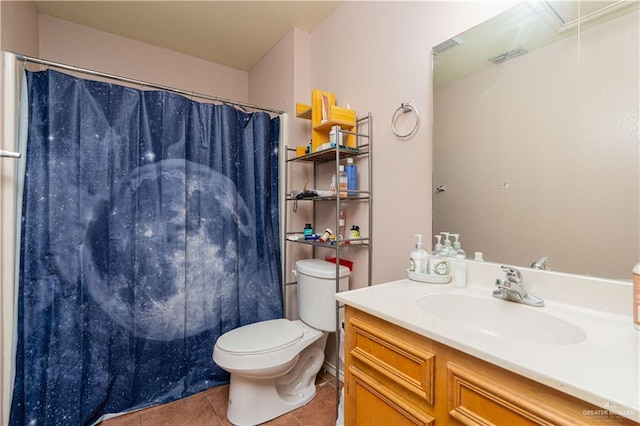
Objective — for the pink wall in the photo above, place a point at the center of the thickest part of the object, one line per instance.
(74, 44)
(374, 56)
(19, 27)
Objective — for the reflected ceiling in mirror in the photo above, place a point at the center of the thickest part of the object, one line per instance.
(539, 154)
(527, 26)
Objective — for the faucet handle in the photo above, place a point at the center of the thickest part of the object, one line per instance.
(541, 263)
(512, 274)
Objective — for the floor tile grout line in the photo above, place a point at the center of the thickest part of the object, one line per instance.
(217, 399)
(213, 408)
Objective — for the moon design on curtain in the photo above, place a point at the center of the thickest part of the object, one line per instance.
(165, 284)
(150, 227)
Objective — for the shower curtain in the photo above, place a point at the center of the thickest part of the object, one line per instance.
(149, 228)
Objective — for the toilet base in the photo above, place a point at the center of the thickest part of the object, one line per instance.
(253, 400)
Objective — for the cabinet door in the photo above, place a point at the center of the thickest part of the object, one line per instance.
(391, 357)
(481, 395)
(372, 403)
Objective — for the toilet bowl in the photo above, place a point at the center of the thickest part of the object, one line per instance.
(273, 364)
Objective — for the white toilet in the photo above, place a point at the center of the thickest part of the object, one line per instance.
(273, 364)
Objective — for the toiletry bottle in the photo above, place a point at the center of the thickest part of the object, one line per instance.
(335, 137)
(448, 248)
(636, 296)
(342, 179)
(332, 186)
(352, 172)
(437, 248)
(438, 264)
(460, 272)
(326, 235)
(342, 220)
(419, 258)
(457, 246)
(355, 232)
(308, 229)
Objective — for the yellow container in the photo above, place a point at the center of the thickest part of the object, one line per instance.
(343, 116)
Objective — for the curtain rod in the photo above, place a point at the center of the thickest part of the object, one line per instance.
(186, 93)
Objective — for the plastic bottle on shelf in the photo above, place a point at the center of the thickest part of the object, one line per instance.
(342, 220)
(419, 258)
(325, 236)
(308, 230)
(352, 175)
(355, 232)
(335, 137)
(343, 182)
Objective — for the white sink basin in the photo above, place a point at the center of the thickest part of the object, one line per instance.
(501, 318)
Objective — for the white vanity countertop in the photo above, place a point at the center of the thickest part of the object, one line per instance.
(603, 369)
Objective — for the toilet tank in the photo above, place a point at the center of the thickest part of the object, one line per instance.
(316, 290)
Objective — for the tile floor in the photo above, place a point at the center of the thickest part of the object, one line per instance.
(209, 408)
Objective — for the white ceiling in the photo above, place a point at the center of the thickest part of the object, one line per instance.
(235, 33)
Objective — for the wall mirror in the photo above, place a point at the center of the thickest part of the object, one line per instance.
(536, 137)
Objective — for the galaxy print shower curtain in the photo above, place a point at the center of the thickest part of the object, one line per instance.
(149, 228)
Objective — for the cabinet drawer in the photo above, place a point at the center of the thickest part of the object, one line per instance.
(482, 396)
(377, 405)
(390, 356)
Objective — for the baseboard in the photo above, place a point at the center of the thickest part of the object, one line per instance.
(331, 368)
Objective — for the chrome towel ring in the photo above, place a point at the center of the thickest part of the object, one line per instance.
(405, 107)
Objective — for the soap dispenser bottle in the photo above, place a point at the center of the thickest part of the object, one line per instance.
(457, 246)
(448, 248)
(437, 248)
(438, 264)
(419, 258)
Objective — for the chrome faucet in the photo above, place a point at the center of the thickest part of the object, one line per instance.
(511, 288)
(541, 264)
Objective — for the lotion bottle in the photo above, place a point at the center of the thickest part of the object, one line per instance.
(438, 264)
(419, 258)
(448, 248)
(457, 246)
(437, 248)
(460, 273)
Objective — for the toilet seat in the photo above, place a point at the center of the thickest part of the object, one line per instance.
(260, 337)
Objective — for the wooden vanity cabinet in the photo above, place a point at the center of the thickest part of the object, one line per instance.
(389, 376)
(396, 377)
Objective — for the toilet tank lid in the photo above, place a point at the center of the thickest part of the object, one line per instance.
(260, 337)
(320, 268)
